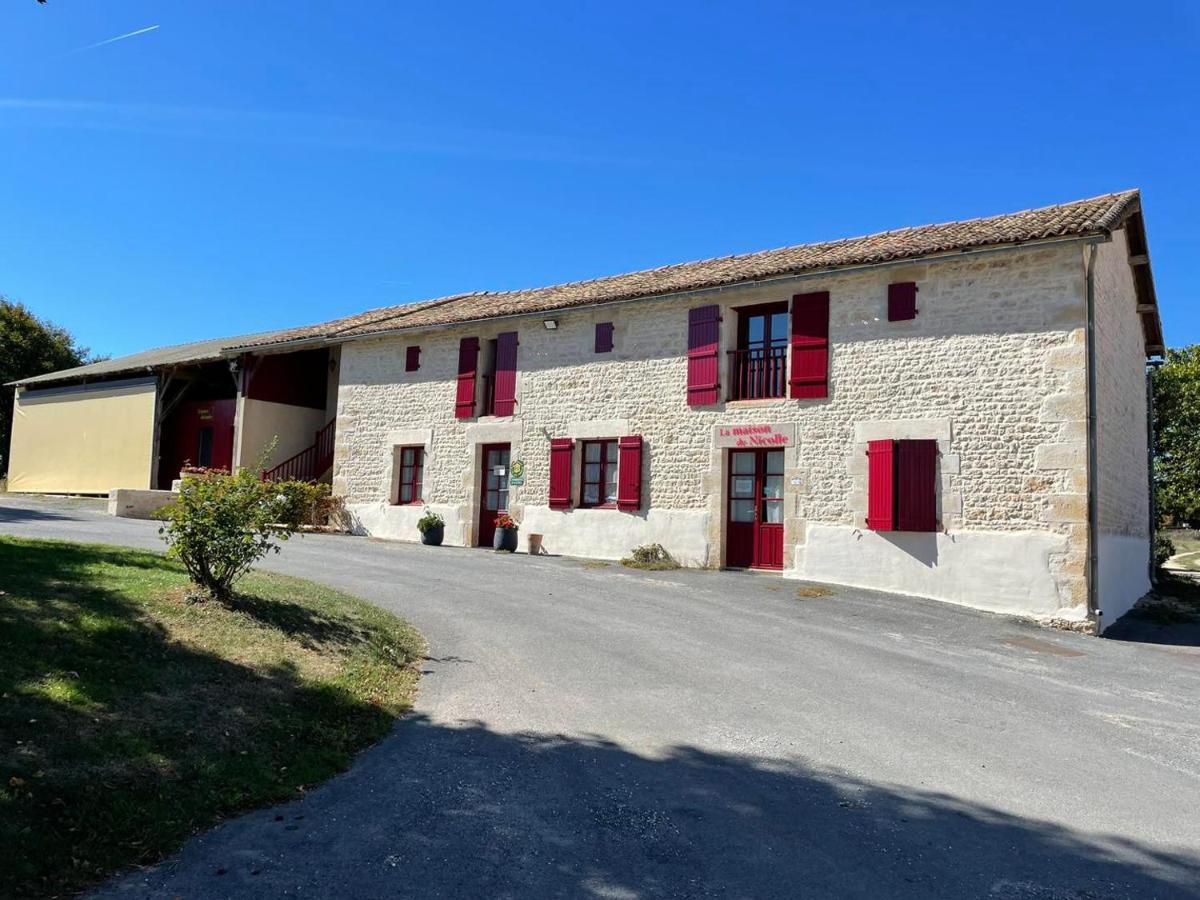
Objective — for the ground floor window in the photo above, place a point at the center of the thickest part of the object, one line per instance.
(412, 461)
(599, 485)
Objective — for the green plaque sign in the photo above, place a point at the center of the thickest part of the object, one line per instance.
(516, 473)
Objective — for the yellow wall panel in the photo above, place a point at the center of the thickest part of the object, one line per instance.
(83, 440)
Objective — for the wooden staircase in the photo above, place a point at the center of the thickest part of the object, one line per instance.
(310, 463)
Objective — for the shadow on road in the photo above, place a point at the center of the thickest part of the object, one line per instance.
(468, 812)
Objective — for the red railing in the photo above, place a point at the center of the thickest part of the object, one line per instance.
(758, 374)
(309, 463)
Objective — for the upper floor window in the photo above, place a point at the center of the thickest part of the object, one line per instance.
(758, 367)
(599, 485)
(412, 462)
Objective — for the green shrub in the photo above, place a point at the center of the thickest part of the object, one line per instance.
(1163, 550)
(650, 556)
(220, 525)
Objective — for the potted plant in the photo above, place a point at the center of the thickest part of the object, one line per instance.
(432, 528)
(506, 533)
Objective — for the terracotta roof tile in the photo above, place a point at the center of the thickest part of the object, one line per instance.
(1078, 219)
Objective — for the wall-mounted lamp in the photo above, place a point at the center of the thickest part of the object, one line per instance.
(550, 324)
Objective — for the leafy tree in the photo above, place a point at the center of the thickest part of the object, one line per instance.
(29, 346)
(1177, 436)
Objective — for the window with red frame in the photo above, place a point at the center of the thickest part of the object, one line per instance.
(599, 487)
(411, 463)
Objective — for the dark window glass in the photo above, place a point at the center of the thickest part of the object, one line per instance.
(599, 487)
(411, 463)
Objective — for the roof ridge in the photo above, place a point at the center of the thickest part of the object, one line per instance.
(1124, 195)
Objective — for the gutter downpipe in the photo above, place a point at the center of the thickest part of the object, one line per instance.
(1093, 562)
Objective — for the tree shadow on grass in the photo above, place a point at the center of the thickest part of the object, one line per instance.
(464, 811)
(117, 741)
(303, 624)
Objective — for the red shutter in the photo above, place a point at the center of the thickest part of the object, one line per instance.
(810, 346)
(629, 473)
(506, 374)
(916, 488)
(604, 337)
(881, 493)
(468, 359)
(902, 301)
(704, 326)
(560, 472)
(412, 359)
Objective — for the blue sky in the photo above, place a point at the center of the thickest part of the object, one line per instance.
(247, 166)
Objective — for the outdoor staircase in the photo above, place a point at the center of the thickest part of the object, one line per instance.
(310, 463)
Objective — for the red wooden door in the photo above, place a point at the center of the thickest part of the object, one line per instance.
(755, 526)
(493, 491)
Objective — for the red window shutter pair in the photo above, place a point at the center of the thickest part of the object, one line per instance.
(604, 337)
(506, 374)
(704, 336)
(902, 301)
(629, 473)
(902, 485)
(810, 346)
(505, 398)
(412, 359)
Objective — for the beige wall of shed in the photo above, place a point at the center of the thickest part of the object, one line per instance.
(85, 440)
(295, 427)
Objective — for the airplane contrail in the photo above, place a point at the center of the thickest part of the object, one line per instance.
(111, 40)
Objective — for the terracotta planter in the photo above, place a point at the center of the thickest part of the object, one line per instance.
(505, 539)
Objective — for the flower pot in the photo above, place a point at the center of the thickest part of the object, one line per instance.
(433, 535)
(505, 539)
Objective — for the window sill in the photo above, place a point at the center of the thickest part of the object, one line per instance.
(765, 401)
(598, 506)
(408, 503)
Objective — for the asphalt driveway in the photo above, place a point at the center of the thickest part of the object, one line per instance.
(587, 731)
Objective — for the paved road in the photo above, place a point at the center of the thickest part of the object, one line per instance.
(588, 731)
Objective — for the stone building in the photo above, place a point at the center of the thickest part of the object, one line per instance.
(956, 411)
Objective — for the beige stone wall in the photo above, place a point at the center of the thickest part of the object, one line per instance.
(1122, 483)
(992, 367)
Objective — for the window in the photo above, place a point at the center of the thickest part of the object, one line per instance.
(902, 485)
(599, 484)
(758, 367)
(204, 452)
(412, 359)
(604, 337)
(902, 301)
(412, 461)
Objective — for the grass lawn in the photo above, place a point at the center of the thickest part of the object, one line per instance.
(130, 718)
(1187, 547)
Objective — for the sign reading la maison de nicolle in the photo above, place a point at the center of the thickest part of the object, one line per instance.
(750, 437)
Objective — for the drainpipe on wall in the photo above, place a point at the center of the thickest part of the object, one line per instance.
(1094, 612)
(1151, 368)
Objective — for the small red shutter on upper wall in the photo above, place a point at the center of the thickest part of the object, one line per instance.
(881, 494)
(560, 472)
(604, 337)
(810, 346)
(629, 473)
(902, 301)
(916, 485)
(412, 359)
(506, 374)
(468, 359)
(704, 335)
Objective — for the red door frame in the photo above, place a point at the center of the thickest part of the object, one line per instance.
(487, 517)
(756, 543)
